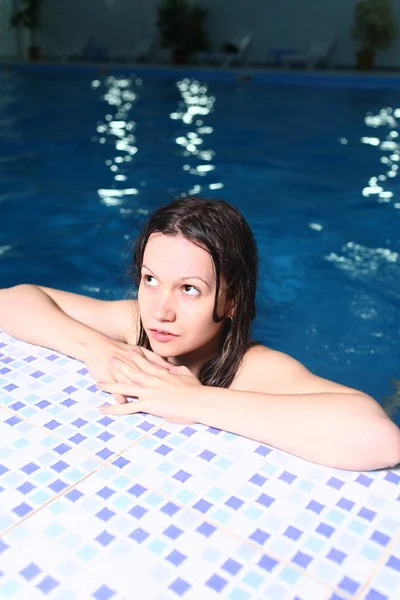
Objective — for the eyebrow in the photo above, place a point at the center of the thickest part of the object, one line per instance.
(182, 278)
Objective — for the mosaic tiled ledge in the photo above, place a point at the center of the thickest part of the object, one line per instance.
(134, 508)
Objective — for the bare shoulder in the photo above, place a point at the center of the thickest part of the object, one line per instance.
(270, 371)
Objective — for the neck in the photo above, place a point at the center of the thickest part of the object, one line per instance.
(194, 360)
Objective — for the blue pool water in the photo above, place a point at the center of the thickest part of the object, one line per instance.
(84, 155)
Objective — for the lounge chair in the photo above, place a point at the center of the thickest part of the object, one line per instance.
(237, 56)
(319, 53)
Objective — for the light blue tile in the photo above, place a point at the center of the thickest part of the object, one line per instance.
(238, 594)
(27, 412)
(42, 476)
(153, 499)
(253, 579)
(157, 546)
(9, 589)
(40, 497)
(289, 575)
(185, 497)
(167, 468)
(253, 513)
(334, 516)
(20, 443)
(223, 463)
(87, 553)
(216, 493)
(220, 515)
(55, 530)
(371, 552)
(149, 442)
(122, 482)
(314, 544)
(122, 502)
(306, 486)
(357, 527)
(176, 440)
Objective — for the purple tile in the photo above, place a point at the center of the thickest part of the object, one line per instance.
(11, 387)
(216, 583)
(163, 450)
(231, 566)
(202, 505)
(364, 480)
(315, 506)
(267, 563)
(288, 477)
(176, 558)
(265, 500)
(103, 593)
(37, 374)
(258, 479)
(30, 571)
(105, 436)
(79, 423)
(206, 529)
(374, 595)
(105, 538)
(146, 426)
(139, 535)
(138, 511)
(325, 530)
(293, 533)
(7, 360)
(13, 421)
(77, 438)
(47, 584)
(188, 431)
(234, 502)
(105, 421)
(58, 485)
(161, 433)
(3, 469)
(345, 504)
(3, 546)
(393, 563)
(17, 405)
(29, 468)
(59, 466)
(380, 538)
(52, 357)
(263, 450)
(74, 495)
(336, 556)
(121, 462)
(43, 404)
(170, 509)
(335, 483)
(53, 424)
(366, 513)
(259, 536)
(137, 490)
(105, 492)
(68, 402)
(26, 487)
(392, 478)
(30, 359)
(62, 449)
(302, 559)
(349, 585)
(179, 586)
(181, 476)
(5, 370)
(83, 371)
(105, 453)
(173, 532)
(213, 430)
(70, 389)
(207, 455)
(105, 514)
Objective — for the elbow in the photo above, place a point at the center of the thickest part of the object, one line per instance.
(383, 446)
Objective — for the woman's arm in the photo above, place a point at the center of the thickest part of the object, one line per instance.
(62, 321)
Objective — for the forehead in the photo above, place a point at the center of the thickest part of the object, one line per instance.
(177, 256)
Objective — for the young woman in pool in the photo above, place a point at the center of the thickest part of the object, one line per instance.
(183, 348)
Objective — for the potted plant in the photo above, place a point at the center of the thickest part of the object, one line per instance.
(374, 28)
(28, 16)
(181, 27)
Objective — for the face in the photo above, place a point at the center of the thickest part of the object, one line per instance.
(176, 298)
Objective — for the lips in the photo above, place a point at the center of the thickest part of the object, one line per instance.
(162, 331)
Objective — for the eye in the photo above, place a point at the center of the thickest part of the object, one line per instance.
(150, 280)
(191, 290)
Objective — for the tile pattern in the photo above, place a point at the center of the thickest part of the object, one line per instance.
(100, 507)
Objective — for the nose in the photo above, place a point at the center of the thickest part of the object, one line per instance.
(163, 309)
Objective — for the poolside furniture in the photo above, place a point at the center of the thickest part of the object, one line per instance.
(141, 52)
(228, 58)
(319, 53)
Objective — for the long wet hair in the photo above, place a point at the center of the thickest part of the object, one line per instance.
(222, 231)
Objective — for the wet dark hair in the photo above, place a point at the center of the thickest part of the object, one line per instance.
(220, 229)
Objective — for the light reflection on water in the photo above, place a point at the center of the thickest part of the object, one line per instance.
(89, 158)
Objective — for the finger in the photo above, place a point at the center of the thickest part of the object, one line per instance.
(152, 357)
(119, 398)
(129, 408)
(123, 370)
(145, 365)
(126, 389)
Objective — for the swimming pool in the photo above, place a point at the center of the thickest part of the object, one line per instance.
(85, 154)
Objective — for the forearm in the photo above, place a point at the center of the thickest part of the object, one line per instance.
(29, 314)
(339, 430)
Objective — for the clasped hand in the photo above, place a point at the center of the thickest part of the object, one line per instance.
(161, 389)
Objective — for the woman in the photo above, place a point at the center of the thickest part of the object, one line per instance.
(183, 348)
